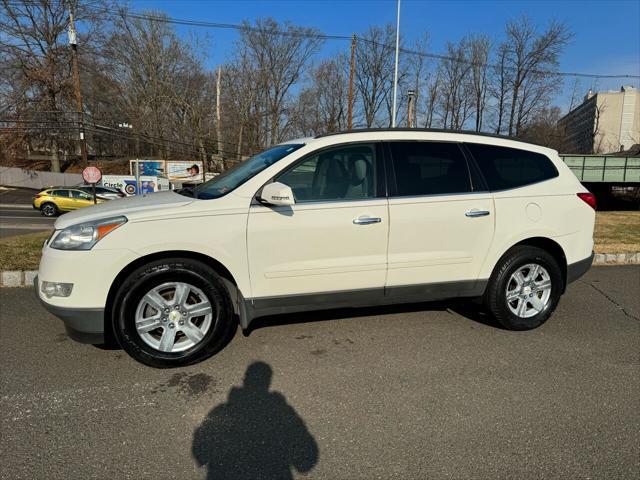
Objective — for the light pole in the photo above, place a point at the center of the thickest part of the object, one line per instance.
(395, 74)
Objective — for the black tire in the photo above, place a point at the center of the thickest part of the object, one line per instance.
(156, 273)
(495, 295)
(49, 209)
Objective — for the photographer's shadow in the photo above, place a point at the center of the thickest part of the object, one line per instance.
(255, 434)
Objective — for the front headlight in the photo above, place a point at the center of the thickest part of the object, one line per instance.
(85, 235)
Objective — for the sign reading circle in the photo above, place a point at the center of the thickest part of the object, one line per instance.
(92, 175)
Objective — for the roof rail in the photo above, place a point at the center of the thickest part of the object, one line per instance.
(430, 130)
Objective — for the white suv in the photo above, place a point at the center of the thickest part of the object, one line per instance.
(361, 218)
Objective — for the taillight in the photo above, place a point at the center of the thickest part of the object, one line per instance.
(588, 198)
(37, 195)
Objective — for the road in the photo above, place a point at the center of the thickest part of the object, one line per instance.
(18, 220)
(413, 392)
(17, 217)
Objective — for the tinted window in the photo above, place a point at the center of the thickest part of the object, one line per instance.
(429, 168)
(505, 168)
(60, 193)
(343, 173)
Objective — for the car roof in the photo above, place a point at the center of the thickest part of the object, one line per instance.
(431, 134)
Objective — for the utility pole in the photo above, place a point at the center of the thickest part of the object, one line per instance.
(411, 98)
(73, 41)
(351, 73)
(219, 116)
(395, 74)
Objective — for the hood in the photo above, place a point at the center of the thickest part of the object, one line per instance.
(123, 206)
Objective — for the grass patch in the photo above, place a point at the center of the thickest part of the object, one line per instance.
(22, 252)
(617, 232)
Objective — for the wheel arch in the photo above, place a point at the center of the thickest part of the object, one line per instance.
(550, 246)
(216, 265)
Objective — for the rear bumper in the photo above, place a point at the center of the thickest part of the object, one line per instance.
(84, 325)
(578, 269)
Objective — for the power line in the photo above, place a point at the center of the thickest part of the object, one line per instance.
(324, 36)
(312, 33)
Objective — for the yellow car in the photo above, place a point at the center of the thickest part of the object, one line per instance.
(56, 200)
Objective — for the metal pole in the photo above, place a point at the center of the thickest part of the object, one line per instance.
(218, 114)
(351, 72)
(73, 41)
(137, 171)
(395, 75)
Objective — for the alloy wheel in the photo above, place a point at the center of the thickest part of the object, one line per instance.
(173, 317)
(528, 290)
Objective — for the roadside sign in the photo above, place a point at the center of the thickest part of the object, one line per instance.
(91, 174)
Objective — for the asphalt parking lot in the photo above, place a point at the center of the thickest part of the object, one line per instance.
(422, 391)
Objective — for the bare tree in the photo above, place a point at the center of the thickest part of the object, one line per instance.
(532, 57)
(499, 88)
(33, 47)
(432, 93)
(279, 54)
(322, 106)
(374, 72)
(544, 129)
(479, 48)
(456, 100)
(157, 84)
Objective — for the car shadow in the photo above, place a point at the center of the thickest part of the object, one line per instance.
(467, 308)
(256, 433)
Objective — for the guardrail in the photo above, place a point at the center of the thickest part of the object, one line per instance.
(604, 169)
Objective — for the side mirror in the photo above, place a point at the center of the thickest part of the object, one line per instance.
(278, 194)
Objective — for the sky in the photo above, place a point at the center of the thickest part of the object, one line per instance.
(606, 33)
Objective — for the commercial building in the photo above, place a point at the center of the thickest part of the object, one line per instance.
(605, 122)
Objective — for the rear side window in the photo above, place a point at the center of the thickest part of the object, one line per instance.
(429, 168)
(505, 168)
(60, 193)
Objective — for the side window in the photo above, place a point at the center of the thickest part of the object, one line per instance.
(505, 168)
(429, 168)
(342, 173)
(60, 193)
(80, 195)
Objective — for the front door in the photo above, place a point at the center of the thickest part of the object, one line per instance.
(80, 199)
(442, 219)
(332, 243)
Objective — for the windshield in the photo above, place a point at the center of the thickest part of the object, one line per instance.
(236, 176)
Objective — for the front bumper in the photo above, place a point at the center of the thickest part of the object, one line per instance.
(578, 269)
(85, 325)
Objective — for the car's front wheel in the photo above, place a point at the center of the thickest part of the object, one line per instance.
(172, 313)
(525, 288)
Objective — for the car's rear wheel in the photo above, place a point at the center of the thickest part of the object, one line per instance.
(172, 313)
(49, 209)
(524, 288)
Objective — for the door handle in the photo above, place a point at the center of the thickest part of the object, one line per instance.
(477, 213)
(366, 220)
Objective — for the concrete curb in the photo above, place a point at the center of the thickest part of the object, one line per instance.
(18, 278)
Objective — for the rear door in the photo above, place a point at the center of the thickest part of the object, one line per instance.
(442, 218)
(333, 240)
